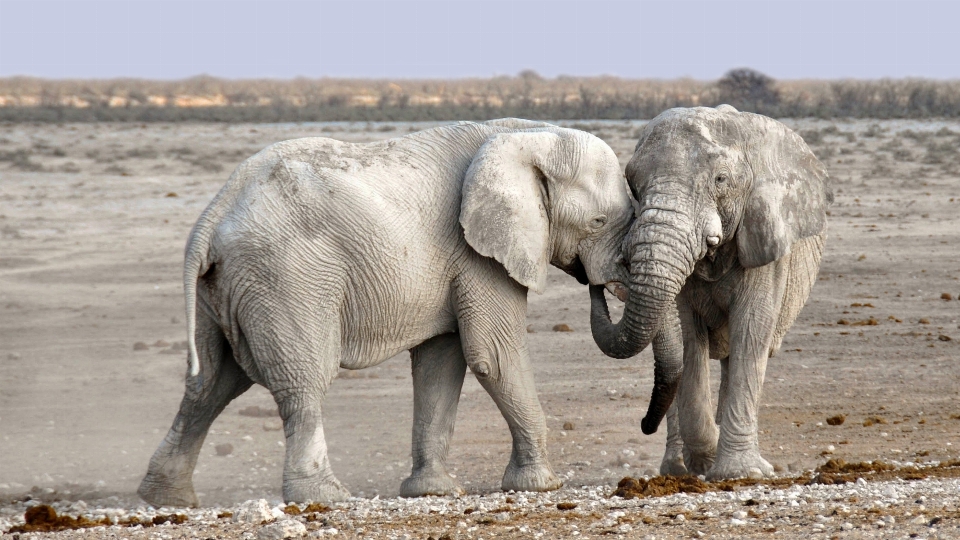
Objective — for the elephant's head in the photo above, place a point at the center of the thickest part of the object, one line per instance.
(711, 183)
(547, 195)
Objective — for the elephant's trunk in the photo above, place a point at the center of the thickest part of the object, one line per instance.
(660, 264)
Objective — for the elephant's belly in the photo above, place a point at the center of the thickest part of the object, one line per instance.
(375, 339)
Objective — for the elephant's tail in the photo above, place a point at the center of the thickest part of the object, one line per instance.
(196, 263)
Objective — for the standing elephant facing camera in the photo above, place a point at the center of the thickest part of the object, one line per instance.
(728, 238)
(319, 254)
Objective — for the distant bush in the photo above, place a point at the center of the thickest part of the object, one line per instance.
(747, 89)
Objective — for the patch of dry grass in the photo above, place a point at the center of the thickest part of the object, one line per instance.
(526, 95)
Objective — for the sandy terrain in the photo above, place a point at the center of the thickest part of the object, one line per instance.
(94, 218)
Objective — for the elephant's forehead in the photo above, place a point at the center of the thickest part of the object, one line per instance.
(699, 127)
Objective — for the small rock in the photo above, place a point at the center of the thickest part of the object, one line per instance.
(224, 449)
(566, 506)
(836, 420)
(735, 521)
(680, 518)
(924, 320)
(140, 346)
(254, 512)
(740, 514)
(946, 296)
(562, 327)
(171, 194)
(272, 425)
(944, 337)
(288, 528)
(530, 329)
(846, 526)
(919, 520)
(161, 343)
(568, 426)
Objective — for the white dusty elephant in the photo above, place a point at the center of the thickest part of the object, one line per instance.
(729, 234)
(319, 254)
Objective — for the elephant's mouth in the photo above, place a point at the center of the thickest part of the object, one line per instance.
(618, 289)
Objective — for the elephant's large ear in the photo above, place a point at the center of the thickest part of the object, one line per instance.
(790, 194)
(503, 210)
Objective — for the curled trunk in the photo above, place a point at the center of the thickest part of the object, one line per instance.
(658, 271)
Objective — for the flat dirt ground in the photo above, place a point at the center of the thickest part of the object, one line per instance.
(94, 218)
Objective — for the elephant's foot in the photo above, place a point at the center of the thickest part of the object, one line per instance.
(534, 477)
(699, 461)
(672, 464)
(744, 464)
(162, 491)
(430, 482)
(325, 489)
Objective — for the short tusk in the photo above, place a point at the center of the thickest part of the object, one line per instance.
(713, 240)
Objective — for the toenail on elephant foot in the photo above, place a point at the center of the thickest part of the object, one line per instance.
(743, 465)
(424, 483)
(536, 477)
(698, 462)
(328, 490)
(160, 492)
(672, 464)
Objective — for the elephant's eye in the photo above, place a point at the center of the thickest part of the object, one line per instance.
(721, 178)
(598, 222)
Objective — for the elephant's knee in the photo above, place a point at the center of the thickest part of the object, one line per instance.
(481, 369)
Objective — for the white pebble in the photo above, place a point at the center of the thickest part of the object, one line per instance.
(253, 512)
(288, 528)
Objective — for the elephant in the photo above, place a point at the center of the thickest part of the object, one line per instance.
(319, 254)
(730, 228)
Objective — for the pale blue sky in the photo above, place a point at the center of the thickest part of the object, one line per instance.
(787, 39)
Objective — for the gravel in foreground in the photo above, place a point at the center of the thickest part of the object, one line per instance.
(862, 509)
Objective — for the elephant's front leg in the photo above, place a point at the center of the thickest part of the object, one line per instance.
(753, 320)
(438, 368)
(512, 388)
(672, 464)
(698, 429)
(494, 339)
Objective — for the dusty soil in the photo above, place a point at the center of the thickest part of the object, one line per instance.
(94, 218)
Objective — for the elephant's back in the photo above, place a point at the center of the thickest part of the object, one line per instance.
(297, 220)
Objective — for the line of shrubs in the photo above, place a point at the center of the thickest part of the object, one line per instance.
(526, 96)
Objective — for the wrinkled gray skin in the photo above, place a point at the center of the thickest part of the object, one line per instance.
(319, 254)
(729, 231)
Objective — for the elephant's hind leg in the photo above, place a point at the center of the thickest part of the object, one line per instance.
(169, 478)
(438, 368)
(297, 364)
